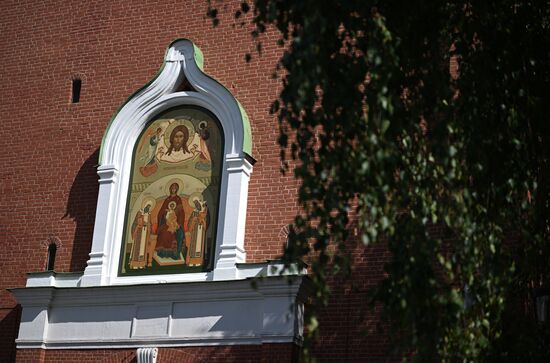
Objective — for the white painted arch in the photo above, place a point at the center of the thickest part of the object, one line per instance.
(183, 60)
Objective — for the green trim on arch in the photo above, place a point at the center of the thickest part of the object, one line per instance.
(199, 58)
(247, 137)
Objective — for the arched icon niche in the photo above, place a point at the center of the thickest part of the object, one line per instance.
(173, 196)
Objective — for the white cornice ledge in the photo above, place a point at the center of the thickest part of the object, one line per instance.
(166, 315)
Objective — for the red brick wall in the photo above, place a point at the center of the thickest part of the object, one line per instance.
(48, 174)
(50, 147)
(227, 354)
(349, 330)
(81, 356)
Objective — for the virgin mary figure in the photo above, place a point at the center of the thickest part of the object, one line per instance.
(171, 221)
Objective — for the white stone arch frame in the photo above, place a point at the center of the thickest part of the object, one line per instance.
(182, 61)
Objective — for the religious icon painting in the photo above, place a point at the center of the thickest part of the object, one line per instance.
(172, 209)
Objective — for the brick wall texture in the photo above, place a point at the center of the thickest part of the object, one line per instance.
(50, 147)
(226, 354)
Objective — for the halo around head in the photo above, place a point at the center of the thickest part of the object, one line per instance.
(148, 200)
(187, 123)
(178, 181)
(193, 197)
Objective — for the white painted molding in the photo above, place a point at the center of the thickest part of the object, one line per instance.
(168, 315)
(147, 355)
(231, 251)
(243, 271)
(116, 159)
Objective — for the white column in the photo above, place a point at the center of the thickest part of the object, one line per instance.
(96, 272)
(231, 250)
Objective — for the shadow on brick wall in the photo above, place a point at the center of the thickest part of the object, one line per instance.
(81, 207)
(350, 326)
(9, 328)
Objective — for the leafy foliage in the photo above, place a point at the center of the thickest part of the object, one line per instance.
(429, 124)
